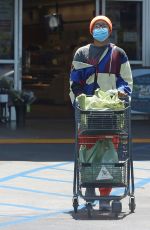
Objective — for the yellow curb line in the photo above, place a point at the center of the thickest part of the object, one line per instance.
(141, 140)
(36, 141)
(55, 141)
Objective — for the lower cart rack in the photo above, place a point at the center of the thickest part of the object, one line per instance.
(103, 175)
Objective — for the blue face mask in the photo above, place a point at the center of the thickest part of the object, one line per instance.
(100, 34)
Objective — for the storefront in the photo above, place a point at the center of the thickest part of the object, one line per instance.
(11, 40)
(48, 49)
(130, 23)
(37, 54)
(130, 31)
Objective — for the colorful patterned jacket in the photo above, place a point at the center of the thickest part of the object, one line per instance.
(113, 72)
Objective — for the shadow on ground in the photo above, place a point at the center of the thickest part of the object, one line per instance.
(56, 152)
(141, 152)
(82, 214)
(37, 152)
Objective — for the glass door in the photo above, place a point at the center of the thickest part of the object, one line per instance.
(127, 26)
(11, 41)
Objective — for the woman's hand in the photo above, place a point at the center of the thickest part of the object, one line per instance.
(122, 94)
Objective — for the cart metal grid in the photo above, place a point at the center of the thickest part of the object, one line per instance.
(102, 121)
(89, 174)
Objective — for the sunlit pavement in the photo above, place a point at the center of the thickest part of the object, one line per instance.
(37, 193)
(36, 180)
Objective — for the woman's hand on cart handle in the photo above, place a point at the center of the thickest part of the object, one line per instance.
(122, 94)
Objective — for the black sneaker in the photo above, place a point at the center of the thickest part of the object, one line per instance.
(90, 192)
(105, 206)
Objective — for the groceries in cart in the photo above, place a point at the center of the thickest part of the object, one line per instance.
(113, 111)
(100, 101)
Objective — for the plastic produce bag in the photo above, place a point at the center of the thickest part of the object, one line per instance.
(100, 101)
(110, 155)
(109, 160)
(103, 158)
(94, 154)
(102, 151)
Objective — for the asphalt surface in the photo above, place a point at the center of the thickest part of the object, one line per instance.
(36, 179)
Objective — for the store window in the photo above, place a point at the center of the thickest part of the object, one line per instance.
(6, 29)
(48, 51)
(6, 44)
(127, 26)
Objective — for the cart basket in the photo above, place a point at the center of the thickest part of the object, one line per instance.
(103, 175)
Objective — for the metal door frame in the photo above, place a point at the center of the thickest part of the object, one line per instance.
(18, 44)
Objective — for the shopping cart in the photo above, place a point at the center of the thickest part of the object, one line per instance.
(97, 125)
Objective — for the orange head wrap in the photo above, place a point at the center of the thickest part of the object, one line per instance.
(103, 18)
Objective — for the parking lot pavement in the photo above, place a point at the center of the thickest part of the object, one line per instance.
(30, 191)
(38, 195)
(36, 181)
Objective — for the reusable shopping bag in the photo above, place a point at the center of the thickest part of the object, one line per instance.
(111, 170)
(102, 158)
(94, 154)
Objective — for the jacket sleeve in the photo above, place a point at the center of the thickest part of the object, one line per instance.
(76, 76)
(76, 87)
(124, 82)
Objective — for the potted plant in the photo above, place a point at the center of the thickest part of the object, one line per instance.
(20, 99)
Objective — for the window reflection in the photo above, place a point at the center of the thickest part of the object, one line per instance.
(6, 29)
(7, 70)
(127, 26)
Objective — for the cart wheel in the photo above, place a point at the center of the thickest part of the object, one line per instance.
(132, 204)
(89, 209)
(116, 208)
(75, 204)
